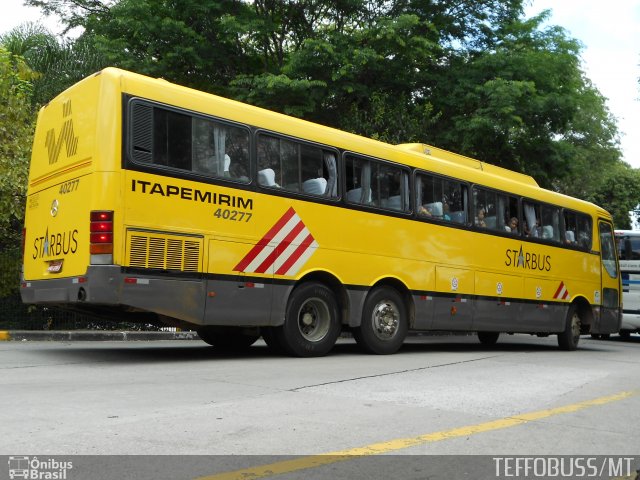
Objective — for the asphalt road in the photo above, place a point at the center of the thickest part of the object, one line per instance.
(439, 396)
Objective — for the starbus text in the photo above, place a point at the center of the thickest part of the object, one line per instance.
(527, 260)
(55, 244)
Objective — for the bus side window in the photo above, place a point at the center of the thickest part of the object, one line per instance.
(220, 150)
(171, 139)
(268, 161)
(392, 189)
(532, 227)
(585, 228)
(358, 180)
(441, 199)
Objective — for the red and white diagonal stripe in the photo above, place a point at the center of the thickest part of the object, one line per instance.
(283, 250)
(561, 292)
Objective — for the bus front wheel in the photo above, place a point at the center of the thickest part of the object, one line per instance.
(569, 338)
(312, 322)
(384, 322)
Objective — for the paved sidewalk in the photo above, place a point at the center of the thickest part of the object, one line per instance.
(87, 335)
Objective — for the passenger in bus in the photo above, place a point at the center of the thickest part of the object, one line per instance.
(513, 225)
(479, 220)
(446, 210)
(425, 211)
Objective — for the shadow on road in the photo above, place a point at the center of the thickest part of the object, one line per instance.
(196, 351)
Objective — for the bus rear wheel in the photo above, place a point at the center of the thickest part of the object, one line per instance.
(384, 322)
(569, 338)
(228, 338)
(312, 322)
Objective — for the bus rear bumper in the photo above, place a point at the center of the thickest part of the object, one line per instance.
(98, 285)
(110, 288)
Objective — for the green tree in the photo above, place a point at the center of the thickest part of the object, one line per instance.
(57, 63)
(198, 43)
(16, 132)
(619, 193)
(526, 105)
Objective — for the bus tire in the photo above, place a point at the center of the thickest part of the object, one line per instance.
(568, 339)
(488, 338)
(312, 322)
(384, 322)
(227, 338)
(271, 339)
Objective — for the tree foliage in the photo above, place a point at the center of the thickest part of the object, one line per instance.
(16, 131)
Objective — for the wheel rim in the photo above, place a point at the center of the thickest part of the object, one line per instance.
(575, 327)
(314, 319)
(386, 320)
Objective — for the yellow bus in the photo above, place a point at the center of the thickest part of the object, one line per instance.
(151, 201)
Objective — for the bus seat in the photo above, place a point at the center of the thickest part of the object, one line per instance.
(435, 208)
(547, 231)
(394, 202)
(490, 222)
(315, 186)
(458, 216)
(267, 178)
(355, 196)
(570, 236)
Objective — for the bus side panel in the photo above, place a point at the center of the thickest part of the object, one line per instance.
(227, 293)
(453, 310)
(497, 308)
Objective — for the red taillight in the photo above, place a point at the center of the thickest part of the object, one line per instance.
(101, 229)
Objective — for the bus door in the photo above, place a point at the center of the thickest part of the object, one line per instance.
(610, 312)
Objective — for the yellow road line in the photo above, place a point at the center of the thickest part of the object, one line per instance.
(4, 335)
(303, 463)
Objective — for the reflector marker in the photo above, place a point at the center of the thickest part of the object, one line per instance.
(561, 292)
(284, 249)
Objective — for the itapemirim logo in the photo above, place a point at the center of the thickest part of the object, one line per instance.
(66, 137)
(34, 468)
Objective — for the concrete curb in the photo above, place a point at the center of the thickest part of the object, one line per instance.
(89, 335)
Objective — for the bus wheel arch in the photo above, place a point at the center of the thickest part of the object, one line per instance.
(332, 282)
(312, 319)
(578, 321)
(385, 318)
